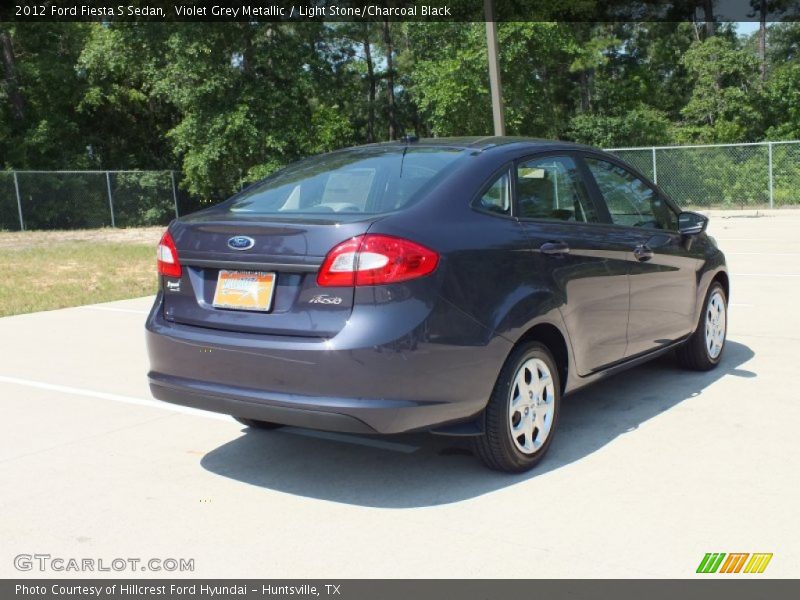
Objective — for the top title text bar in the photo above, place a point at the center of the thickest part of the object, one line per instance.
(393, 10)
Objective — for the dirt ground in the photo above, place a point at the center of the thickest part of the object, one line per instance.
(30, 239)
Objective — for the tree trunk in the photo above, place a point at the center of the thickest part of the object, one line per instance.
(417, 121)
(247, 53)
(584, 83)
(708, 12)
(390, 104)
(371, 79)
(762, 39)
(10, 67)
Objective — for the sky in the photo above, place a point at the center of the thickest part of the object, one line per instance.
(746, 27)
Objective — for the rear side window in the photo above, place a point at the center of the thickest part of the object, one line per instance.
(631, 202)
(551, 188)
(361, 180)
(497, 198)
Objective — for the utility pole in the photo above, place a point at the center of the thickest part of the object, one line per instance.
(494, 69)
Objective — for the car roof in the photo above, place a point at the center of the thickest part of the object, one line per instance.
(482, 143)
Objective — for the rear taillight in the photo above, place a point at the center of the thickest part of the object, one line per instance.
(376, 260)
(167, 255)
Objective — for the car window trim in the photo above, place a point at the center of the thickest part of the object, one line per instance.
(581, 169)
(645, 232)
(473, 203)
(633, 171)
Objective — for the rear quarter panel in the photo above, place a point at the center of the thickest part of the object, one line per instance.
(488, 293)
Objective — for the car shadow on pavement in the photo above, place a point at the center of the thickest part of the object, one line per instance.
(442, 470)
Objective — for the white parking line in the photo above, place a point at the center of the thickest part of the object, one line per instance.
(114, 309)
(766, 274)
(762, 254)
(176, 408)
(65, 389)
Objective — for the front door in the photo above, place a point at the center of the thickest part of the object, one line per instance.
(587, 266)
(663, 271)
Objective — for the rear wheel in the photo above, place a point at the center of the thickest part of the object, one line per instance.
(256, 424)
(703, 351)
(521, 415)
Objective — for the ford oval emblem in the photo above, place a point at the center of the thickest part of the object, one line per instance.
(241, 242)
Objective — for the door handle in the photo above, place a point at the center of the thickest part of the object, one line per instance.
(555, 248)
(643, 253)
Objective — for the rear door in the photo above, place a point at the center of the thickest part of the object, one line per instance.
(663, 271)
(582, 262)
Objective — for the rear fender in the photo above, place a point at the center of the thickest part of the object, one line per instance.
(529, 309)
(524, 309)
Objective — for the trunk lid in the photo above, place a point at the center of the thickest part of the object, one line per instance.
(290, 248)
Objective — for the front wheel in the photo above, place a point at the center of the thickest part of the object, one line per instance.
(521, 415)
(703, 351)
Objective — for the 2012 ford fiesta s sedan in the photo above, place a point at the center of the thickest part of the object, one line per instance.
(460, 286)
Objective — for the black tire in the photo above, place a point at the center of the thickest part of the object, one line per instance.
(496, 447)
(694, 353)
(255, 424)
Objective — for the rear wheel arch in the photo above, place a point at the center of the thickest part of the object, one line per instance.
(521, 417)
(550, 336)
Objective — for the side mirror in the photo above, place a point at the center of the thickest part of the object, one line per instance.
(691, 223)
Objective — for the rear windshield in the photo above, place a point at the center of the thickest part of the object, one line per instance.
(362, 180)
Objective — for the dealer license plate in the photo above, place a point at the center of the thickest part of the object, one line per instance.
(244, 290)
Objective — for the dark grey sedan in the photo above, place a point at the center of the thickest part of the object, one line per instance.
(460, 286)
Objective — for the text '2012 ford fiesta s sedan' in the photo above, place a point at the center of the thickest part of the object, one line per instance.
(460, 286)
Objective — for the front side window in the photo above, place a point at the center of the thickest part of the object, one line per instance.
(551, 188)
(631, 202)
(368, 180)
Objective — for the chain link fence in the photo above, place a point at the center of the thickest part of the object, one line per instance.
(86, 199)
(759, 175)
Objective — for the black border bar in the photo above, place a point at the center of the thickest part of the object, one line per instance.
(708, 588)
(379, 10)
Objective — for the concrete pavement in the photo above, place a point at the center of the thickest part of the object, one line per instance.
(649, 471)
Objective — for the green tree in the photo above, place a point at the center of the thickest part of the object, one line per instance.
(723, 106)
(120, 65)
(247, 98)
(640, 126)
(782, 90)
(39, 127)
(227, 103)
(450, 81)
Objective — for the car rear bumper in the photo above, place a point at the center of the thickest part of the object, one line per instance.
(353, 382)
(275, 408)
